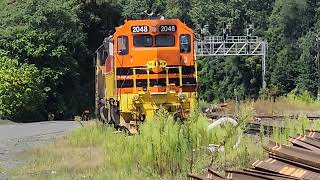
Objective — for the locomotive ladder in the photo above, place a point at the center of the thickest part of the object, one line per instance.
(213, 46)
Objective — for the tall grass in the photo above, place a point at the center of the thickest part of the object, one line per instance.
(239, 149)
(296, 102)
(168, 149)
(161, 149)
(2, 170)
(164, 149)
(301, 97)
(290, 127)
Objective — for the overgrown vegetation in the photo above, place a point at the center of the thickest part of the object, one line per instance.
(2, 170)
(163, 149)
(5, 122)
(295, 103)
(21, 90)
(283, 131)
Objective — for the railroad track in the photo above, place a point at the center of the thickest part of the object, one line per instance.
(300, 160)
(273, 117)
(267, 121)
(255, 127)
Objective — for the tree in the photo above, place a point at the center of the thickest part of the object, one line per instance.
(221, 77)
(21, 91)
(291, 45)
(48, 35)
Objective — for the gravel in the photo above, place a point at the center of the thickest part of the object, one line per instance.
(20, 137)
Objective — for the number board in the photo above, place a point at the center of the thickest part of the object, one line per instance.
(139, 29)
(168, 28)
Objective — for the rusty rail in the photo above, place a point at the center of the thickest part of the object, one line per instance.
(300, 160)
(276, 117)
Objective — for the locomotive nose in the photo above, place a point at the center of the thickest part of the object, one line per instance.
(159, 65)
(155, 58)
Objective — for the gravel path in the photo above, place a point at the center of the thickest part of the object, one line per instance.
(19, 137)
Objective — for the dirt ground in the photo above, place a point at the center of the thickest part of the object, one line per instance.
(16, 138)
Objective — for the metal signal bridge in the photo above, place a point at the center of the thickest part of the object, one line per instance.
(211, 46)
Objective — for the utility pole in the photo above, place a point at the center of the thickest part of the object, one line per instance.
(318, 67)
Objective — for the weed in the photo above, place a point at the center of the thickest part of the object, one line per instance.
(291, 127)
(315, 125)
(295, 102)
(164, 149)
(239, 149)
(298, 97)
(203, 104)
(5, 122)
(2, 169)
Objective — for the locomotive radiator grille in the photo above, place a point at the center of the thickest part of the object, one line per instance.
(172, 78)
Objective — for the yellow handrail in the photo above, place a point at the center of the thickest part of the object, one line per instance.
(148, 81)
(134, 80)
(167, 80)
(180, 78)
(148, 77)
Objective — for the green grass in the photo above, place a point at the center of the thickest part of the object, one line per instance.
(164, 149)
(295, 102)
(5, 122)
(2, 169)
(292, 128)
(248, 150)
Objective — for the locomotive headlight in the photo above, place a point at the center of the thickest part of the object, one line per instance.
(185, 60)
(182, 96)
(135, 97)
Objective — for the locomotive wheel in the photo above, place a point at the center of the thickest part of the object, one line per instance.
(178, 118)
(123, 129)
(178, 115)
(104, 115)
(115, 117)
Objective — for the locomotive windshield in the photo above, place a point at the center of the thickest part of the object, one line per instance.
(147, 41)
(185, 43)
(123, 46)
(165, 41)
(142, 41)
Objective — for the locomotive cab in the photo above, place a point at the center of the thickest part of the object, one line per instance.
(150, 64)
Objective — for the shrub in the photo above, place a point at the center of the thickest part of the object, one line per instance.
(21, 90)
(300, 96)
(292, 127)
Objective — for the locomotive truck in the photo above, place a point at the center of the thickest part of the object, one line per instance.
(144, 66)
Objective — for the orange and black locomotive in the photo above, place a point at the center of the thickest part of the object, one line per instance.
(146, 65)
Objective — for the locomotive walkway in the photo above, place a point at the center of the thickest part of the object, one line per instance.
(20, 137)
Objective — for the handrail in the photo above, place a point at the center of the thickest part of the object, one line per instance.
(148, 77)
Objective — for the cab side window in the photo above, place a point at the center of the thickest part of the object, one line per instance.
(185, 43)
(123, 45)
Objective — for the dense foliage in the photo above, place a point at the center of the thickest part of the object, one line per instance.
(59, 37)
(21, 89)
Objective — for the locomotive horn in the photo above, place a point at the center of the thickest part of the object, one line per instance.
(149, 13)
